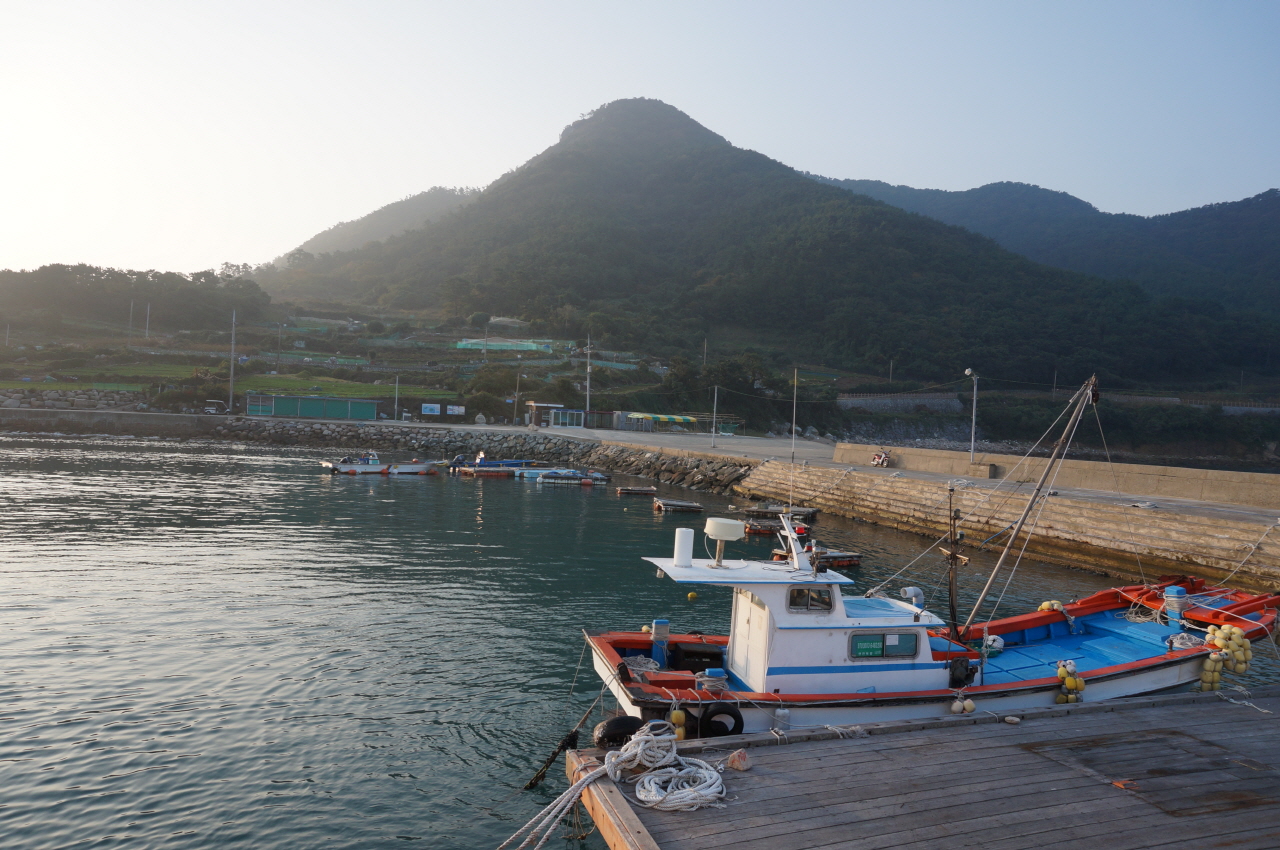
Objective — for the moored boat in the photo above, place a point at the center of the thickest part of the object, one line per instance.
(676, 506)
(573, 476)
(637, 491)
(368, 463)
(803, 651)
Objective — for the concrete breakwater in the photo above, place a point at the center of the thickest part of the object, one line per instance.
(1115, 539)
(694, 470)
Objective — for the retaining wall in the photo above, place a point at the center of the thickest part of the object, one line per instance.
(1107, 538)
(1257, 489)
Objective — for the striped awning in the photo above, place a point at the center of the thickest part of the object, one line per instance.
(661, 417)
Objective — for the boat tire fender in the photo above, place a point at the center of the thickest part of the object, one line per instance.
(961, 673)
(616, 731)
(710, 727)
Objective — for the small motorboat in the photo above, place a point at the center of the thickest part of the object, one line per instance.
(771, 526)
(637, 491)
(795, 512)
(460, 463)
(828, 558)
(573, 476)
(368, 463)
(676, 506)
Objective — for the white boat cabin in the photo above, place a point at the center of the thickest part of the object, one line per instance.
(793, 632)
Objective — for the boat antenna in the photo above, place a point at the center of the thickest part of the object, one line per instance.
(795, 393)
(1081, 399)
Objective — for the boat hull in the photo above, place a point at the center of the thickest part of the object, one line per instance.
(382, 468)
(818, 710)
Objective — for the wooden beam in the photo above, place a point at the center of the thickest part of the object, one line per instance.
(608, 807)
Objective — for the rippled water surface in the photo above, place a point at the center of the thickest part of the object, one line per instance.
(206, 646)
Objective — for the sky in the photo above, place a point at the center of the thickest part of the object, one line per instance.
(179, 135)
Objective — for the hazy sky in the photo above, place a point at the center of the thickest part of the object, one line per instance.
(178, 135)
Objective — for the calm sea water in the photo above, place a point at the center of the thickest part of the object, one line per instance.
(212, 646)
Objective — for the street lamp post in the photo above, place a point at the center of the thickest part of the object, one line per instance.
(515, 407)
(973, 421)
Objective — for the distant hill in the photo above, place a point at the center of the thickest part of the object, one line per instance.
(411, 213)
(1229, 252)
(651, 231)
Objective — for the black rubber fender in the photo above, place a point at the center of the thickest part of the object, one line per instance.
(616, 731)
(710, 727)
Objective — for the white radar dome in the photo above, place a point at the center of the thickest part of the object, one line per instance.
(719, 528)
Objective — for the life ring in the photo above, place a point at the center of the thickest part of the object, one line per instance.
(709, 727)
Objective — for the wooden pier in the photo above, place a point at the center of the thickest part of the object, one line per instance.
(1177, 771)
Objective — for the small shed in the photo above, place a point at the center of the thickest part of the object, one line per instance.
(311, 407)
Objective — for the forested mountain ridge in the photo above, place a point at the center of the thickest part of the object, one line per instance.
(1228, 252)
(651, 232)
(411, 213)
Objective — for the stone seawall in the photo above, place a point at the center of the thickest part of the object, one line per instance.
(1127, 542)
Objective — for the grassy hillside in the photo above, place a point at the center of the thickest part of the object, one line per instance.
(650, 232)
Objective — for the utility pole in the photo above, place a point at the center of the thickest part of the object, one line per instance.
(714, 406)
(1054, 395)
(231, 401)
(588, 410)
(279, 342)
(891, 371)
(129, 338)
(6, 336)
(973, 422)
(395, 405)
(515, 407)
(148, 331)
(704, 352)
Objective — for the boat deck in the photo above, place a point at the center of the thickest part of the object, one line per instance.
(1176, 771)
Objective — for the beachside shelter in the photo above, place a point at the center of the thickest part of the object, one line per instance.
(310, 407)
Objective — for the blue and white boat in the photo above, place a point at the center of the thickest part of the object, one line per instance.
(805, 649)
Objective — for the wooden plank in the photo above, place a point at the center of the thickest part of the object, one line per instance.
(613, 815)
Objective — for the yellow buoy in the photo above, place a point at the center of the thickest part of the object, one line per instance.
(957, 707)
(969, 707)
(692, 595)
(1207, 676)
(1062, 673)
(1060, 699)
(1072, 698)
(646, 629)
(680, 733)
(1070, 684)
(1221, 643)
(1080, 684)
(676, 717)
(1248, 655)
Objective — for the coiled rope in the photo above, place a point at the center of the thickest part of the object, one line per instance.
(670, 782)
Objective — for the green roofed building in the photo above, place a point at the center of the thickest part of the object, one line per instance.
(497, 343)
(310, 407)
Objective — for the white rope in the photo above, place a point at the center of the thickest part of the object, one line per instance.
(641, 663)
(670, 783)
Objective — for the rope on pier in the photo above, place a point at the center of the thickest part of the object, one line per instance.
(669, 782)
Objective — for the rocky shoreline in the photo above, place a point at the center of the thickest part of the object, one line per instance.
(707, 473)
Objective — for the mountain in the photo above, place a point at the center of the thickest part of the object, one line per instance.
(652, 232)
(1229, 252)
(411, 213)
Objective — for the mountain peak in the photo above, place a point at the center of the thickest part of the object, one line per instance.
(639, 125)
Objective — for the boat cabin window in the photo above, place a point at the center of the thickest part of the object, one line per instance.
(809, 599)
(883, 645)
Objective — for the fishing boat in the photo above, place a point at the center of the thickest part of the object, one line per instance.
(806, 648)
(770, 526)
(573, 476)
(661, 505)
(368, 463)
(637, 491)
(774, 511)
(460, 463)
(828, 558)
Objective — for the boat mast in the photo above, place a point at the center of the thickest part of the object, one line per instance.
(954, 558)
(1082, 397)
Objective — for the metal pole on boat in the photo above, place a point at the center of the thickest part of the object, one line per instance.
(715, 404)
(973, 422)
(795, 394)
(953, 559)
(231, 399)
(1082, 397)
